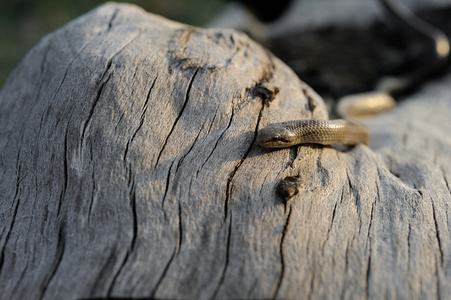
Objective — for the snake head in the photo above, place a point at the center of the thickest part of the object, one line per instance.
(275, 136)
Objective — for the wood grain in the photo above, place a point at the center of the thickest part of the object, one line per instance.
(128, 168)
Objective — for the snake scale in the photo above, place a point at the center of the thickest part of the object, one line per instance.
(327, 132)
(312, 131)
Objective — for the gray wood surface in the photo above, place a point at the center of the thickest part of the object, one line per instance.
(128, 168)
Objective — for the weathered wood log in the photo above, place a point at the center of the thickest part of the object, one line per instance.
(128, 168)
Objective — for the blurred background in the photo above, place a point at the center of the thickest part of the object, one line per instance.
(338, 47)
(24, 22)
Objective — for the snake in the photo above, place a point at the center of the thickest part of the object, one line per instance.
(312, 131)
(349, 132)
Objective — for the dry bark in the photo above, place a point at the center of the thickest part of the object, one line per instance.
(129, 169)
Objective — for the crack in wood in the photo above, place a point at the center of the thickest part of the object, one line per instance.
(211, 123)
(237, 166)
(134, 218)
(446, 181)
(131, 96)
(323, 173)
(131, 248)
(21, 277)
(356, 199)
(190, 84)
(103, 81)
(282, 257)
(180, 239)
(330, 227)
(226, 263)
(294, 152)
(346, 256)
(93, 196)
(163, 275)
(44, 60)
(119, 50)
(409, 233)
(437, 281)
(310, 106)
(105, 271)
(437, 233)
(65, 174)
(116, 275)
(60, 247)
(218, 140)
(143, 114)
(66, 70)
(82, 48)
(94, 105)
(368, 269)
(41, 83)
(16, 200)
(179, 163)
(168, 179)
(378, 191)
(312, 282)
(110, 23)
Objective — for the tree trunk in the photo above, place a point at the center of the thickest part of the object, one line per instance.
(129, 169)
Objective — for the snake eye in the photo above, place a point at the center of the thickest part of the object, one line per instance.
(278, 139)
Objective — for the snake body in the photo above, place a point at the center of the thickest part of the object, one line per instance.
(327, 132)
(312, 131)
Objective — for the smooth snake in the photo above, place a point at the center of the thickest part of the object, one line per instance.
(341, 131)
